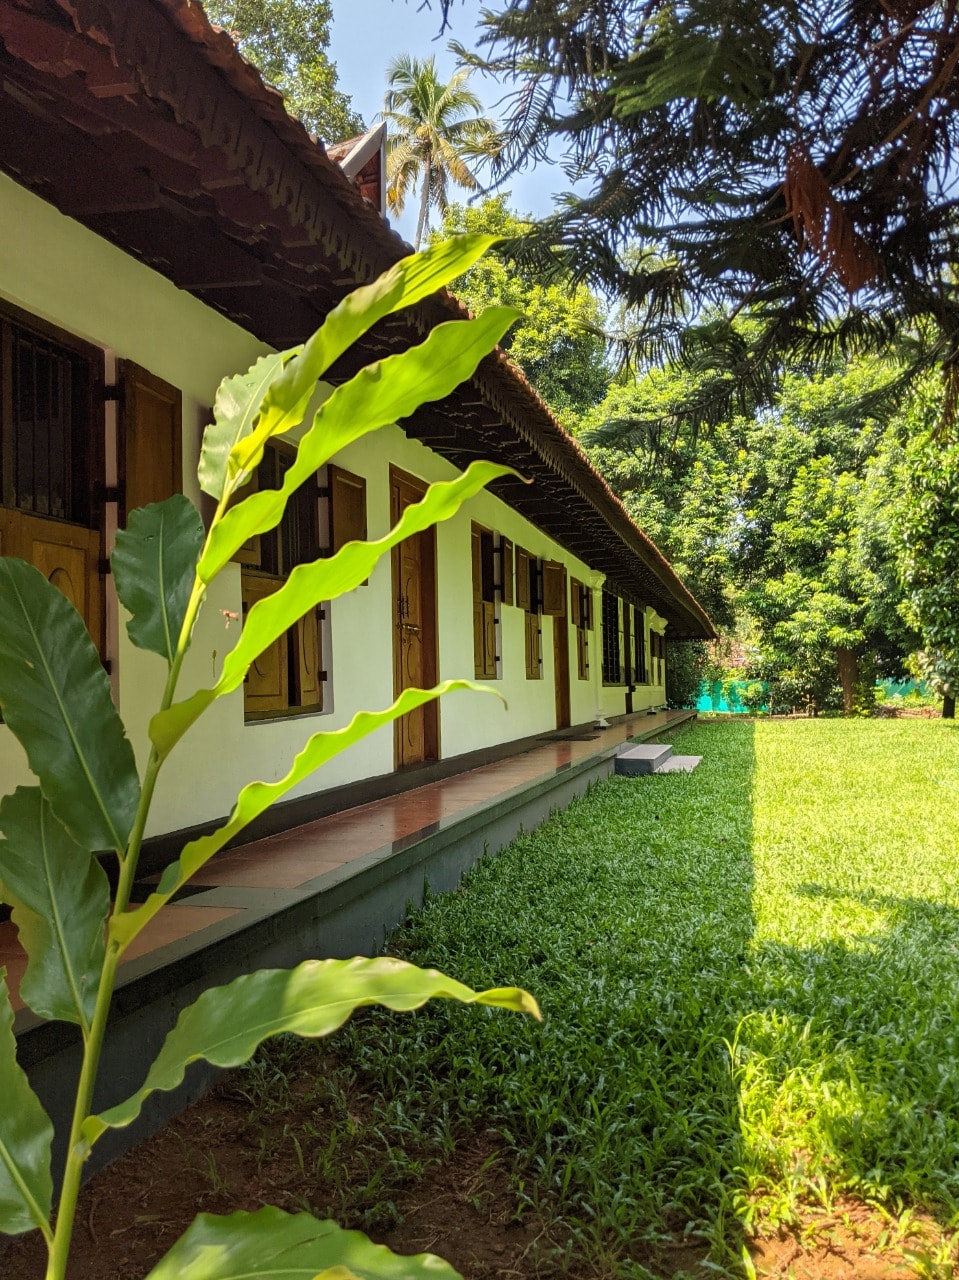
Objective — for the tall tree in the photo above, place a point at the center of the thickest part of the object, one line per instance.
(780, 517)
(927, 525)
(558, 342)
(795, 158)
(287, 40)
(682, 487)
(437, 133)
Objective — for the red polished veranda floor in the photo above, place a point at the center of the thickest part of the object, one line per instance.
(288, 860)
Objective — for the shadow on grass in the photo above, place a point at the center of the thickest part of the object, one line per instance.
(738, 1023)
(629, 916)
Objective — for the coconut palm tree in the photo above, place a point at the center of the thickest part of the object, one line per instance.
(437, 131)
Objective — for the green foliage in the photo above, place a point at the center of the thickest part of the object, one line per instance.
(685, 666)
(53, 688)
(60, 898)
(558, 341)
(758, 154)
(382, 393)
(225, 1025)
(273, 396)
(684, 487)
(287, 40)
(782, 517)
(26, 1183)
(55, 697)
(437, 134)
(153, 563)
(928, 526)
(282, 1246)
(750, 977)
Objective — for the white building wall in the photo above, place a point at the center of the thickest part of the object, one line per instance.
(55, 269)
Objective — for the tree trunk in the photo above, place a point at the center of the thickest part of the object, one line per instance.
(848, 675)
(948, 707)
(424, 207)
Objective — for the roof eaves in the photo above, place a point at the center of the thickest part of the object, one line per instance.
(497, 377)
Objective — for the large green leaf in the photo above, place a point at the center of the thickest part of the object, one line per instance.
(308, 585)
(60, 899)
(381, 393)
(256, 798)
(406, 283)
(55, 696)
(225, 1025)
(273, 396)
(235, 411)
(26, 1186)
(154, 567)
(283, 1246)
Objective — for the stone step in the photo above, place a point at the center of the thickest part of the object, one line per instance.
(643, 757)
(679, 764)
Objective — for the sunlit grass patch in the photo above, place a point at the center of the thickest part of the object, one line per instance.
(848, 1067)
(750, 982)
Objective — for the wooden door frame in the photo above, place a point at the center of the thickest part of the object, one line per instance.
(629, 665)
(431, 722)
(562, 690)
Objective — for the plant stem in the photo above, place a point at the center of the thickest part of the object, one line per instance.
(78, 1149)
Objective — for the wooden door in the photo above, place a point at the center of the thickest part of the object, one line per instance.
(561, 669)
(416, 736)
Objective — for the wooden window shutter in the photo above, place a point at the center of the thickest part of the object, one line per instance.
(588, 608)
(639, 627)
(150, 438)
(479, 659)
(531, 623)
(582, 653)
(347, 508)
(67, 555)
(489, 639)
(267, 683)
(308, 653)
(554, 589)
(506, 570)
(484, 610)
(251, 552)
(523, 560)
(9, 540)
(576, 602)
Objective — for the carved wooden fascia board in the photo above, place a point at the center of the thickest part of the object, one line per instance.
(172, 70)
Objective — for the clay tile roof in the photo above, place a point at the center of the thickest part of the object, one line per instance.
(143, 121)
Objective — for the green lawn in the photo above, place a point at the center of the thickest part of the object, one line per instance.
(750, 986)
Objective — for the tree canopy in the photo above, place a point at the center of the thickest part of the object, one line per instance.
(781, 522)
(926, 523)
(558, 343)
(770, 188)
(793, 158)
(437, 134)
(287, 40)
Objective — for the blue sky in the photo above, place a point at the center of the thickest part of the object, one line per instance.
(368, 34)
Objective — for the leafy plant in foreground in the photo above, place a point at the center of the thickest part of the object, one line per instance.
(55, 697)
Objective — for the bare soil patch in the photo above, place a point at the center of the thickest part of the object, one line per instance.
(217, 1158)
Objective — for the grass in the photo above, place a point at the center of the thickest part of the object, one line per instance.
(750, 983)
